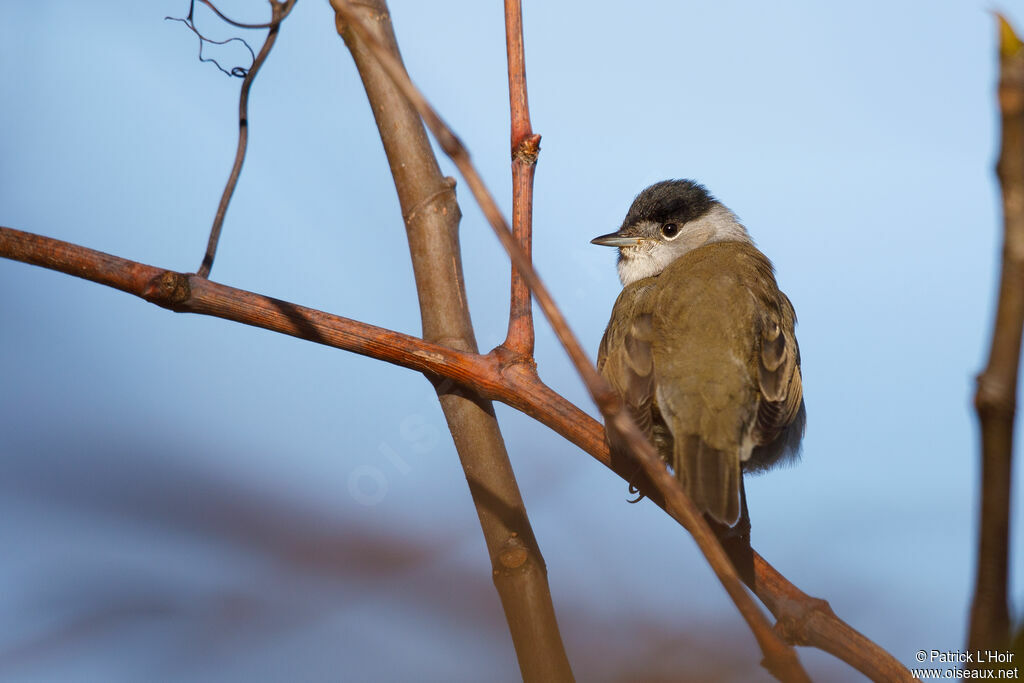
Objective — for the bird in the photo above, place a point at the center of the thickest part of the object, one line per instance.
(701, 345)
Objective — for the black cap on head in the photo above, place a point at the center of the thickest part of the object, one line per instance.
(679, 200)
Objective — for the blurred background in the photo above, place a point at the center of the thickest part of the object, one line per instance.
(185, 498)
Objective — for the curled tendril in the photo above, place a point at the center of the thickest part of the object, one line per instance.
(236, 71)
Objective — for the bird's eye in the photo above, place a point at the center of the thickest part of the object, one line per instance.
(670, 231)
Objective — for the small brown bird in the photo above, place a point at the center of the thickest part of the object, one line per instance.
(701, 344)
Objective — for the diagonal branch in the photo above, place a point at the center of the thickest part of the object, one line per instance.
(996, 395)
(491, 375)
(279, 10)
(802, 619)
(189, 293)
(780, 659)
(525, 148)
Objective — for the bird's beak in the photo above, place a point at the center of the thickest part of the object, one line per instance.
(614, 239)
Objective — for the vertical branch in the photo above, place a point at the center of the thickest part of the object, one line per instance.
(279, 10)
(432, 216)
(525, 148)
(995, 399)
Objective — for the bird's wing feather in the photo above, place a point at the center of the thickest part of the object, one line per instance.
(625, 357)
(779, 382)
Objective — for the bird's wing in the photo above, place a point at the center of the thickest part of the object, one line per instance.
(625, 357)
(778, 369)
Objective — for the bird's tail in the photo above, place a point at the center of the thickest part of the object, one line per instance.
(710, 476)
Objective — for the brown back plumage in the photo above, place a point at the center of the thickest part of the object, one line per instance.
(705, 357)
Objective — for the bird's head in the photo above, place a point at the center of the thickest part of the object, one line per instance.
(667, 220)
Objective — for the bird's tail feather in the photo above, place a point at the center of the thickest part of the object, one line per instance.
(710, 476)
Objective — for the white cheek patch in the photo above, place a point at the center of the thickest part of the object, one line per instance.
(640, 262)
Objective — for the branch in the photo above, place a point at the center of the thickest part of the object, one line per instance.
(779, 658)
(995, 399)
(802, 619)
(525, 148)
(239, 24)
(279, 10)
(489, 375)
(432, 221)
(189, 293)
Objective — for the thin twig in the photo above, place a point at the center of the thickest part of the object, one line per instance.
(239, 24)
(279, 10)
(525, 148)
(492, 376)
(237, 71)
(995, 399)
(780, 659)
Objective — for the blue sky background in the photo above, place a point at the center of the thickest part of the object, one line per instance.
(186, 498)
